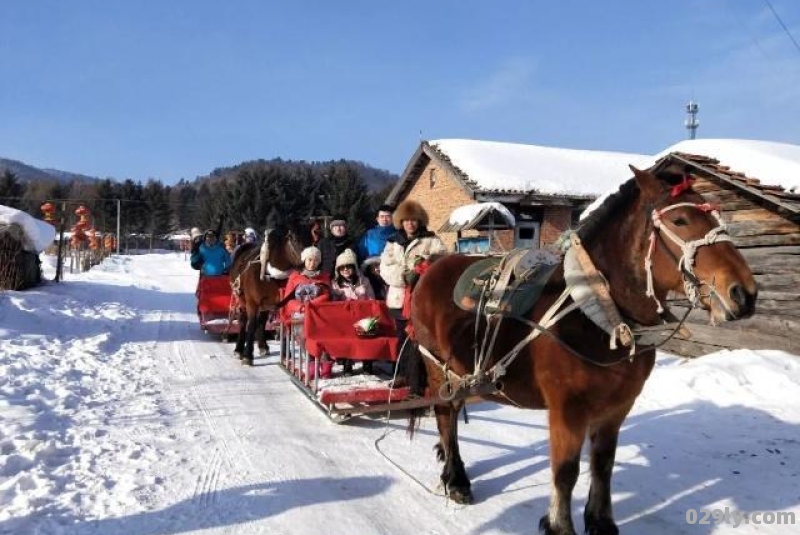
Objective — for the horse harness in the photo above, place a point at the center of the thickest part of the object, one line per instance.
(590, 293)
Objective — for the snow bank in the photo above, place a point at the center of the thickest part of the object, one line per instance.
(36, 234)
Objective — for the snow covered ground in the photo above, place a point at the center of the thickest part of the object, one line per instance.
(117, 415)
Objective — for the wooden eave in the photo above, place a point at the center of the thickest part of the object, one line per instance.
(774, 198)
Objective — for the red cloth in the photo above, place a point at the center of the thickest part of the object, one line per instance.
(419, 268)
(323, 280)
(214, 294)
(328, 327)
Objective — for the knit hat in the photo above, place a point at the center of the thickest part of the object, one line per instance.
(195, 232)
(311, 252)
(347, 258)
(210, 232)
(409, 209)
(337, 220)
(250, 232)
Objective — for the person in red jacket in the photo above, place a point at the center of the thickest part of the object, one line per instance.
(310, 285)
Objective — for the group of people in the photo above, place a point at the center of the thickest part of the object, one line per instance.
(381, 265)
(209, 255)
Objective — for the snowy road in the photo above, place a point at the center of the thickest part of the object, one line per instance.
(120, 416)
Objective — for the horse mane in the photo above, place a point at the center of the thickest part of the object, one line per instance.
(595, 222)
(242, 249)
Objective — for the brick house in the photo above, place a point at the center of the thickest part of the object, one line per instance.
(544, 188)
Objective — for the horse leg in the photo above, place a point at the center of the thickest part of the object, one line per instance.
(240, 337)
(454, 476)
(567, 432)
(598, 516)
(261, 332)
(252, 324)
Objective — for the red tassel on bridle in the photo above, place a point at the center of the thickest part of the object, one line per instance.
(684, 185)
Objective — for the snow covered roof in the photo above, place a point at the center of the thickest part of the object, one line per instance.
(772, 163)
(36, 234)
(472, 216)
(770, 170)
(492, 166)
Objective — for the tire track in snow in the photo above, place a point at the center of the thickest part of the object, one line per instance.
(206, 490)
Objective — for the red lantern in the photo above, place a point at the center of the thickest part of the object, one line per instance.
(49, 211)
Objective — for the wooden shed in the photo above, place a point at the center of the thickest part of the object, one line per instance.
(545, 188)
(764, 223)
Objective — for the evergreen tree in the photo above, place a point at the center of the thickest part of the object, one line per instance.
(156, 198)
(105, 209)
(11, 190)
(346, 194)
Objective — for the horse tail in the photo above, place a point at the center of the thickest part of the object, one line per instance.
(417, 377)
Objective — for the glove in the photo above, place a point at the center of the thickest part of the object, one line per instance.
(410, 277)
(196, 244)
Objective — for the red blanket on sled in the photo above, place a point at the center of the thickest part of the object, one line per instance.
(328, 327)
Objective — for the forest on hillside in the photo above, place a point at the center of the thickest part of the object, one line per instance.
(247, 195)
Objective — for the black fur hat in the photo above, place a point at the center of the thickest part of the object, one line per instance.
(409, 209)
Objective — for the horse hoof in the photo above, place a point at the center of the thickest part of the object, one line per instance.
(546, 529)
(460, 496)
(602, 527)
(246, 361)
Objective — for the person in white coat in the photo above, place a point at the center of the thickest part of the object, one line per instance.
(411, 244)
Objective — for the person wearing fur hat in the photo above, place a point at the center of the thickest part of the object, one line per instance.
(411, 244)
(349, 284)
(333, 245)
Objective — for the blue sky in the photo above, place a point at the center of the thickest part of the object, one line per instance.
(174, 89)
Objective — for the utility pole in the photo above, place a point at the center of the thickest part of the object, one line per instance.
(692, 108)
(119, 214)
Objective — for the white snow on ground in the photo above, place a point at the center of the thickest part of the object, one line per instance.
(118, 415)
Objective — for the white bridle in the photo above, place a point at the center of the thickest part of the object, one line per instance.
(691, 283)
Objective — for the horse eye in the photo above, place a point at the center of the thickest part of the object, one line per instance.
(679, 222)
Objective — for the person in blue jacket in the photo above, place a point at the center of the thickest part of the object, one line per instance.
(371, 245)
(211, 257)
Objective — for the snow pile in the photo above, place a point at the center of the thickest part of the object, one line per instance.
(36, 235)
(468, 212)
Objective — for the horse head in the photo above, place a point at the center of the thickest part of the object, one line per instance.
(684, 247)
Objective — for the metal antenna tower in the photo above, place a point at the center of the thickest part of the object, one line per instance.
(692, 108)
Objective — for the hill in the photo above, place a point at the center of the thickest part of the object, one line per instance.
(28, 173)
(374, 179)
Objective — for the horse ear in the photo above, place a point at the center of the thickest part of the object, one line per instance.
(649, 185)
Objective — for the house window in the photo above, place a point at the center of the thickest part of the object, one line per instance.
(432, 178)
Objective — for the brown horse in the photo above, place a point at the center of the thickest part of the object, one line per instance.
(257, 296)
(570, 370)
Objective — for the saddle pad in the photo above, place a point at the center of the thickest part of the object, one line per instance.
(531, 271)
